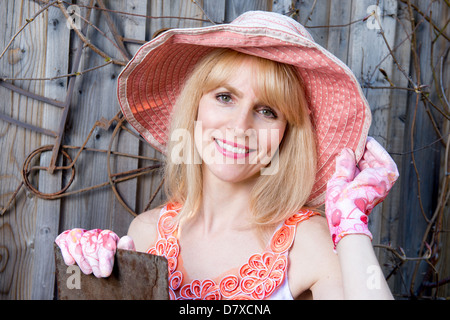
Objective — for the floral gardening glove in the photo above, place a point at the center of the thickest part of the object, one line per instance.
(93, 251)
(354, 190)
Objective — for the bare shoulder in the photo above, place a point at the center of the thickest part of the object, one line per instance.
(313, 239)
(143, 229)
(313, 263)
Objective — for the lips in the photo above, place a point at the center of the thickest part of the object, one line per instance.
(232, 150)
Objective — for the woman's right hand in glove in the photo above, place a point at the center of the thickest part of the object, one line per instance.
(93, 251)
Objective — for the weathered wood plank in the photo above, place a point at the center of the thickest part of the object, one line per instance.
(132, 27)
(166, 13)
(340, 14)
(395, 137)
(48, 212)
(368, 54)
(215, 10)
(42, 50)
(427, 160)
(315, 13)
(148, 185)
(443, 264)
(135, 276)
(95, 95)
(234, 8)
(24, 59)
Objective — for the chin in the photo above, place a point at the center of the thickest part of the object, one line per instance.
(231, 174)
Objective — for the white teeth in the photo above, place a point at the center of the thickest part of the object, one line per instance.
(230, 148)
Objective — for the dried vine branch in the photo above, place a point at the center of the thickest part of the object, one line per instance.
(431, 237)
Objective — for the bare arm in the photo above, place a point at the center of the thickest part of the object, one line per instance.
(352, 192)
(353, 272)
(362, 276)
(143, 230)
(313, 264)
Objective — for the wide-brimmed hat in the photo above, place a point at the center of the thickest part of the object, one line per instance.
(149, 85)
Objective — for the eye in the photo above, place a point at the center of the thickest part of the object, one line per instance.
(224, 97)
(267, 112)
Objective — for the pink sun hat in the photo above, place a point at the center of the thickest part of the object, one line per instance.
(149, 85)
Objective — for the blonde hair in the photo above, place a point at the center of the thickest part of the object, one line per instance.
(274, 197)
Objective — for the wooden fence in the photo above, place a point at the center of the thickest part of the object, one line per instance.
(57, 89)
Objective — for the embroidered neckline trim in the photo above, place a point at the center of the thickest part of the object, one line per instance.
(256, 279)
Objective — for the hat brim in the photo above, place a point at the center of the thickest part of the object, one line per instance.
(151, 82)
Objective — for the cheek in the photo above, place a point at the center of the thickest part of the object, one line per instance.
(207, 116)
(206, 127)
(202, 120)
(270, 139)
(209, 123)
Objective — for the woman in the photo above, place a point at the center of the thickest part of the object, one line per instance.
(260, 126)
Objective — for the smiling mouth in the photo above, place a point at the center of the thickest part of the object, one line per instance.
(233, 150)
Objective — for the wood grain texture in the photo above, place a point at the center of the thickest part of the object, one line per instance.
(234, 8)
(48, 213)
(95, 98)
(422, 171)
(25, 58)
(46, 48)
(135, 276)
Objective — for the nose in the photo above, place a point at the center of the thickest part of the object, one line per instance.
(241, 122)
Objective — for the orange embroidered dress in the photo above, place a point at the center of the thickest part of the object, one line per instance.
(259, 278)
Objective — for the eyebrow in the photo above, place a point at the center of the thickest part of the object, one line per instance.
(238, 93)
(235, 91)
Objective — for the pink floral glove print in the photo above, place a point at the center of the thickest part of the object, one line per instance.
(93, 251)
(355, 189)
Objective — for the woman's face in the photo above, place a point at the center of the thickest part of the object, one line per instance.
(236, 134)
